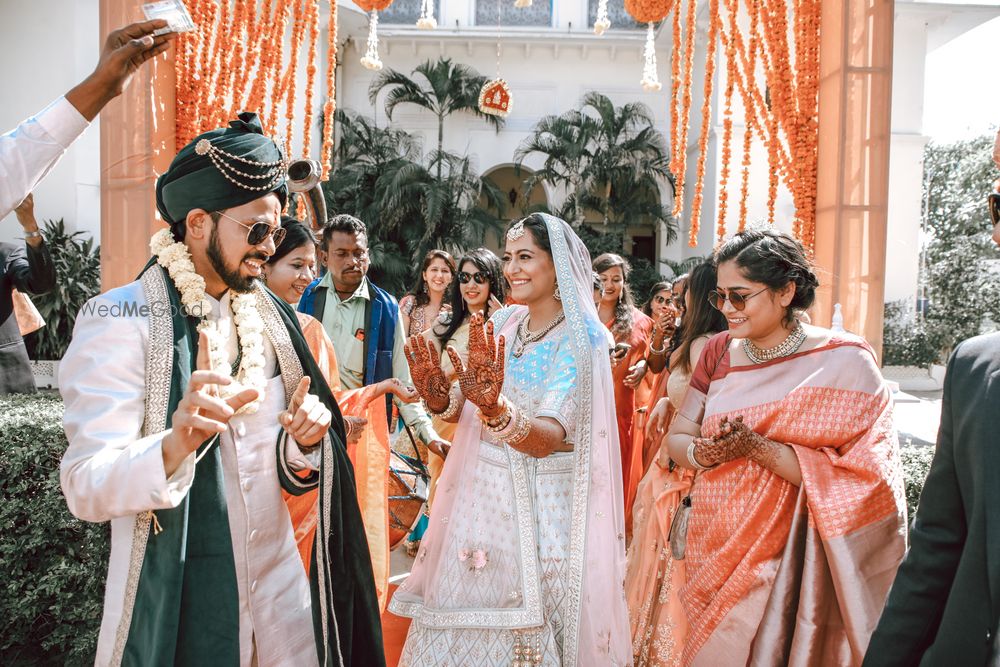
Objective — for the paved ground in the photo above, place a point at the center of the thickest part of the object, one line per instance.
(917, 416)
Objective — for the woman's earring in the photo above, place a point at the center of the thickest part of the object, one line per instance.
(557, 295)
(425, 288)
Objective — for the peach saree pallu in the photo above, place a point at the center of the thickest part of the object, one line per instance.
(786, 575)
(369, 457)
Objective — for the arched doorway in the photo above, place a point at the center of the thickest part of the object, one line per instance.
(511, 180)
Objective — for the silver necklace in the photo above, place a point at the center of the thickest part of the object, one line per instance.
(789, 346)
(525, 337)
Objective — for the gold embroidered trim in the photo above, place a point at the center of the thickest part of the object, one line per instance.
(581, 482)
(159, 369)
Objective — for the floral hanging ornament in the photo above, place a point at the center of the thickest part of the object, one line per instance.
(650, 79)
(649, 12)
(603, 21)
(494, 98)
(427, 20)
(371, 60)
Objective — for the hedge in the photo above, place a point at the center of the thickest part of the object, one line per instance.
(54, 565)
(51, 598)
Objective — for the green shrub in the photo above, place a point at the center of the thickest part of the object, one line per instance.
(54, 565)
(916, 464)
(906, 340)
(78, 278)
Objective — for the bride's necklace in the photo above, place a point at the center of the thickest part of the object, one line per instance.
(526, 337)
(789, 346)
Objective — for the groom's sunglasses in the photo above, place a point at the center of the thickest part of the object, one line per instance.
(480, 277)
(258, 232)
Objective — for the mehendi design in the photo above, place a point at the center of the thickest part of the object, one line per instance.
(428, 378)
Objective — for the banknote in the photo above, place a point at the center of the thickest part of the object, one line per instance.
(173, 12)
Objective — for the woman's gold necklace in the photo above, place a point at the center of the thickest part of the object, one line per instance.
(787, 347)
(525, 337)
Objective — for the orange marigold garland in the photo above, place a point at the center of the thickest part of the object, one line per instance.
(779, 52)
(313, 8)
(330, 106)
(235, 61)
(680, 149)
(706, 119)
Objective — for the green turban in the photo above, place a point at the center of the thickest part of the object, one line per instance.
(222, 169)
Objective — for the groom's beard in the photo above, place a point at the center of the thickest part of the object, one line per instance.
(233, 279)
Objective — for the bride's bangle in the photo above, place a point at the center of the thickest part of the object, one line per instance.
(517, 427)
(454, 406)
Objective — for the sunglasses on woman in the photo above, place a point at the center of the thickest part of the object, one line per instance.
(258, 232)
(739, 301)
(480, 277)
(993, 201)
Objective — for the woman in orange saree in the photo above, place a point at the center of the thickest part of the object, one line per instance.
(289, 270)
(797, 520)
(631, 328)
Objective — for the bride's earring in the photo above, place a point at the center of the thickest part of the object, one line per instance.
(557, 295)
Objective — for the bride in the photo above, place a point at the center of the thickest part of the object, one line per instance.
(523, 563)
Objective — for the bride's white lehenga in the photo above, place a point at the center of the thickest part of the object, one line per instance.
(524, 558)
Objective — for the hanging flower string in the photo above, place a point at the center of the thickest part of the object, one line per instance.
(371, 60)
(330, 106)
(650, 79)
(236, 61)
(427, 20)
(603, 21)
(774, 68)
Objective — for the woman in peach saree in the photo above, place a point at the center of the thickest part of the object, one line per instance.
(289, 270)
(632, 328)
(797, 519)
(653, 579)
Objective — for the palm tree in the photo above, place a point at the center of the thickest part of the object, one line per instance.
(455, 206)
(366, 159)
(610, 159)
(449, 88)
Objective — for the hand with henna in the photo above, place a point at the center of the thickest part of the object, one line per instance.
(735, 440)
(428, 378)
(482, 378)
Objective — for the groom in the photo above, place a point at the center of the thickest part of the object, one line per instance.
(191, 400)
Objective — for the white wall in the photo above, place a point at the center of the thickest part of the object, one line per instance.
(46, 47)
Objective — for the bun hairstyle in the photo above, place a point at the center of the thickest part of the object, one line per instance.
(774, 259)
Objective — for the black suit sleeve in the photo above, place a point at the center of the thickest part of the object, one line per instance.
(912, 613)
(31, 269)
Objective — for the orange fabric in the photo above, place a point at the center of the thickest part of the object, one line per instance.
(831, 406)
(625, 404)
(370, 457)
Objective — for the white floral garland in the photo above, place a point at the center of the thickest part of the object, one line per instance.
(175, 258)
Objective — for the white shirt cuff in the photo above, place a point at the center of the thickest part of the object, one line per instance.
(62, 121)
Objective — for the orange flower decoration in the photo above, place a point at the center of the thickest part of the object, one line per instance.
(646, 11)
(370, 5)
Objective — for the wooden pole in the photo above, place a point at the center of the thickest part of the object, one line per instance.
(137, 144)
(853, 189)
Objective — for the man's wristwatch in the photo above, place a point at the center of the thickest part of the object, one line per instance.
(32, 235)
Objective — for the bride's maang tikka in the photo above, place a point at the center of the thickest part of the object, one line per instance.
(516, 232)
(275, 171)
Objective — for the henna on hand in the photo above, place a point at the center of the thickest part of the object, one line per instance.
(425, 369)
(481, 380)
(753, 445)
